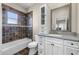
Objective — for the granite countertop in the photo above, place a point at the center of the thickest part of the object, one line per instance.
(64, 37)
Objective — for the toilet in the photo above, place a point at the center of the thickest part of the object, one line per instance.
(33, 46)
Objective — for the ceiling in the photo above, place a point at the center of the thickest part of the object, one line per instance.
(26, 5)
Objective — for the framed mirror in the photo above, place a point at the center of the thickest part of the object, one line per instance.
(61, 18)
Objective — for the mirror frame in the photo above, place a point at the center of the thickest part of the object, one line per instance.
(68, 23)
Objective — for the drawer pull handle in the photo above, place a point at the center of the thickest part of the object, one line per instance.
(52, 44)
(72, 54)
(72, 44)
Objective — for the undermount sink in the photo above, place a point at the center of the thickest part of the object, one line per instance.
(55, 35)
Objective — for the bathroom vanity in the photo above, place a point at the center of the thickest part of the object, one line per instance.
(54, 44)
(61, 22)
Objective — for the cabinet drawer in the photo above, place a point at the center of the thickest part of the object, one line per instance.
(71, 51)
(59, 41)
(41, 38)
(54, 40)
(71, 43)
(48, 39)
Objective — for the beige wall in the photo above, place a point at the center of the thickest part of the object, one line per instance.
(77, 18)
(56, 5)
(74, 17)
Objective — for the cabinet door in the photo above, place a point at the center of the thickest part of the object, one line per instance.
(71, 51)
(41, 45)
(57, 49)
(52, 47)
(44, 22)
(48, 48)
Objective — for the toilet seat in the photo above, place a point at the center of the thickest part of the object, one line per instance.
(32, 44)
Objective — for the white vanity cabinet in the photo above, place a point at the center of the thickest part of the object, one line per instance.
(55, 46)
(58, 46)
(52, 47)
(71, 47)
(48, 46)
(70, 51)
(41, 45)
(57, 49)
